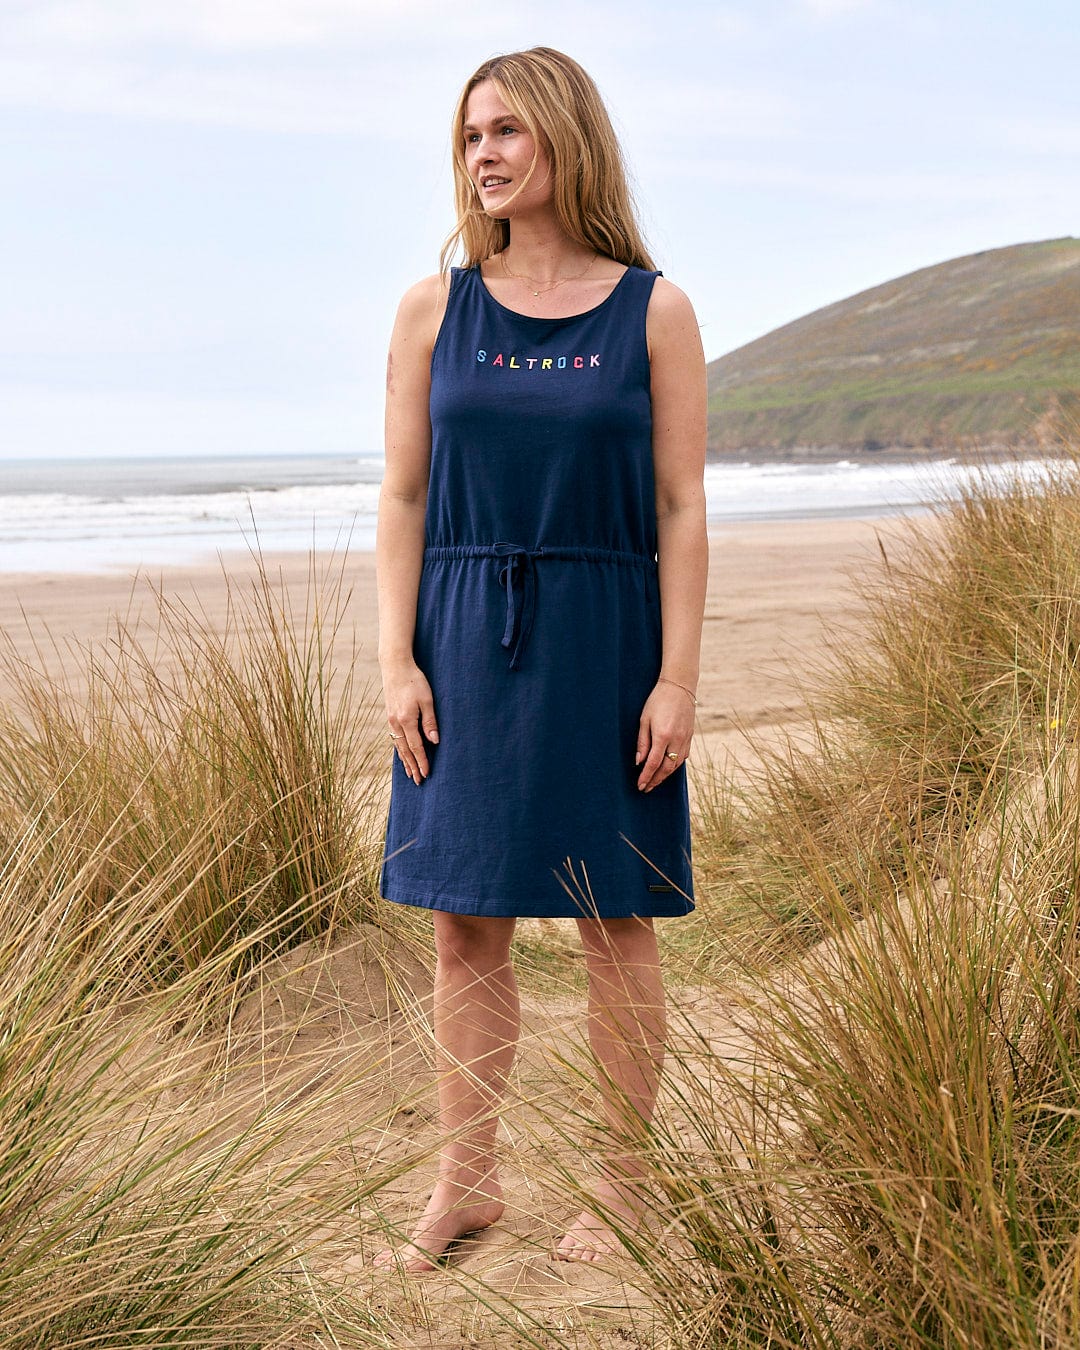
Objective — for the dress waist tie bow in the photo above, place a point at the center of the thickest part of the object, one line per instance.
(518, 575)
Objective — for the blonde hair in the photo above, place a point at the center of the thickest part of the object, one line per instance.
(561, 107)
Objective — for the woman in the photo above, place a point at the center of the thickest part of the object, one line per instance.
(541, 559)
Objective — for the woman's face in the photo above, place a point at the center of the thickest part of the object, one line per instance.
(498, 155)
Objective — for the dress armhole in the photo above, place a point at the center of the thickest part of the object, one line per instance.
(456, 273)
(651, 277)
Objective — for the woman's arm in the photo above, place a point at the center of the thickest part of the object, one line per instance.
(679, 407)
(399, 539)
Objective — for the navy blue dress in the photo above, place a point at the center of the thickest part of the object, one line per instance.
(538, 623)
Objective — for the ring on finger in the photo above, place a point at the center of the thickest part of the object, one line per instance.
(671, 754)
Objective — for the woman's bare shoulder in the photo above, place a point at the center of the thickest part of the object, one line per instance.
(422, 307)
(668, 303)
(670, 322)
(428, 291)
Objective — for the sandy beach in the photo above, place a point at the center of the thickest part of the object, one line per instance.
(775, 590)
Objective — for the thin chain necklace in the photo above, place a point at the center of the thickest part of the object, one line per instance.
(544, 289)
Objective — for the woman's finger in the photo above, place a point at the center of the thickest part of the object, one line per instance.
(401, 745)
(652, 769)
(415, 742)
(427, 719)
(643, 742)
(407, 740)
(661, 762)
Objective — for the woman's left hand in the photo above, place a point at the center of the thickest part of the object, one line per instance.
(666, 728)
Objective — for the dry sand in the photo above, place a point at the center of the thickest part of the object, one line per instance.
(776, 591)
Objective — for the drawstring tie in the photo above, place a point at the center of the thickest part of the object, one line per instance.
(518, 574)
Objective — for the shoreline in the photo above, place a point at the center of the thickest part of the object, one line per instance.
(190, 519)
(212, 560)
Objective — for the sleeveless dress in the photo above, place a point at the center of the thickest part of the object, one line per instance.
(538, 623)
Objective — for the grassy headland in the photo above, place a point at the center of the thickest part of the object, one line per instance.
(978, 351)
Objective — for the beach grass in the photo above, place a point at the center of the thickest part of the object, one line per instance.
(150, 1193)
(180, 805)
(883, 1149)
(215, 1044)
(234, 747)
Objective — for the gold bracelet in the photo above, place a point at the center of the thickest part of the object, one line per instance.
(693, 696)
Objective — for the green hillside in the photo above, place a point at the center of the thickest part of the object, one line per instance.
(981, 351)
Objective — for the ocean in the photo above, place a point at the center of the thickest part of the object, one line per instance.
(82, 515)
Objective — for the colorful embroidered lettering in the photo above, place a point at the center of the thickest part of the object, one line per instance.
(511, 361)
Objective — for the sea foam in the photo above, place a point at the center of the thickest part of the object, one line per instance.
(86, 515)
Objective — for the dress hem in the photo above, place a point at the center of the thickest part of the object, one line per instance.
(676, 907)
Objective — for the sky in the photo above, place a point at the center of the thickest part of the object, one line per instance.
(210, 208)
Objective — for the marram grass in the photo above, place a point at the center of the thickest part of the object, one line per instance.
(238, 750)
(151, 1189)
(882, 1150)
(177, 809)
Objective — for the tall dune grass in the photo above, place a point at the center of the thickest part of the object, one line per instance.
(237, 749)
(961, 678)
(176, 807)
(885, 1150)
(158, 1187)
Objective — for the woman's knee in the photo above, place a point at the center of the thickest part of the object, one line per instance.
(476, 942)
(620, 940)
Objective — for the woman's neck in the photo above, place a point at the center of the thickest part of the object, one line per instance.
(543, 252)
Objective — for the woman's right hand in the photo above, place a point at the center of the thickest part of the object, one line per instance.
(410, 712)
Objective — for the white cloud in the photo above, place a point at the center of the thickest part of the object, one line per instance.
(243, 24)
(878, 187)
(679, 112)
(1043, 135)
(277, 65)
(45, 418)
(297, 101)
(330, 25)
(833, 9)
(731, 24)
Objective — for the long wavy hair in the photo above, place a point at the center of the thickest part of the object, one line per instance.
(561, 107)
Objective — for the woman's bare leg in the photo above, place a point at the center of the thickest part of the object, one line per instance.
(477, 1020)
(626, 1033)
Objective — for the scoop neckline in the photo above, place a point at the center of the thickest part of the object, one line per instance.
(545, 318)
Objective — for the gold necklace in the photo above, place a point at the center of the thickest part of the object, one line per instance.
(517, 276)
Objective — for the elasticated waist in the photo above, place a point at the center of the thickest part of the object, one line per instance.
(517, 572)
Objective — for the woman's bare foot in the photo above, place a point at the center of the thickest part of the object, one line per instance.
(454, 1209)
(591, 1237)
